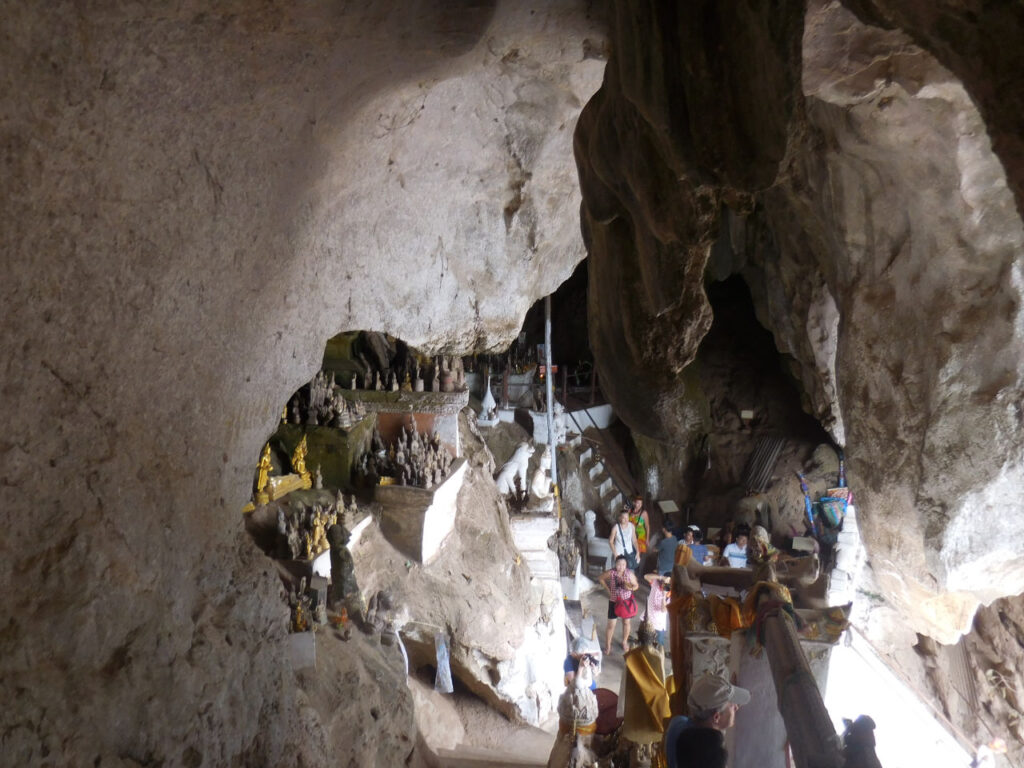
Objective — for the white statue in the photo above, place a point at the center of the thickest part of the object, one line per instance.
(514, 467)
(588, 524)
(559, 423)
(540, 486)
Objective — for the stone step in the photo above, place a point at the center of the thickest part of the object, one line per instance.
(475, 757)
(595, 469)
(574, 439)
(604, 484)
(532, 533)
(612, 503)
(586, 455)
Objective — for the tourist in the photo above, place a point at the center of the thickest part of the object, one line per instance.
(667, 550)
(623, 541)
(657, 603)
(583, 651)
(641, 521)
(694, 540)
(621, 583)
(736, 553)
(712, 703)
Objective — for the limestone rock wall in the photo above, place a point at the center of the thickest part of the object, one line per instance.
(195, 200)
(673, 134)
(897, 224)
(879, 234)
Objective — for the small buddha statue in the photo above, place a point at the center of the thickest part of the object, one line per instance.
(299, 463)
(263, 474)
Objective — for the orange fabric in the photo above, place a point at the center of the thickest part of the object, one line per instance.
(725, 612)
(567, 726)
(683, 555)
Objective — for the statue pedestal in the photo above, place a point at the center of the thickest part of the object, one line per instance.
(545, 506)
(285, 484)
(416, 520)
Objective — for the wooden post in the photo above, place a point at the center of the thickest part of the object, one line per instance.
(504, 388)
(812, 738)
(593, 384)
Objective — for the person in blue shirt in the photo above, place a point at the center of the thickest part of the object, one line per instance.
(693, 540)
(667, 550)
(582, 649)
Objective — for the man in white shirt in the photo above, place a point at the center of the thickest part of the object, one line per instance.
(736, 553)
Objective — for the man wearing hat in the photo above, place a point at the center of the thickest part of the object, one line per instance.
(712, 702)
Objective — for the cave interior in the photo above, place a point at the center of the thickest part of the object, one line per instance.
(266, 262)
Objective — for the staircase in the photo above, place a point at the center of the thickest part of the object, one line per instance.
(602, 464)
(601, 478)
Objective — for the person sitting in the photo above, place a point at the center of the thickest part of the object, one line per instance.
(694, 539)
(667, 550)
(736, 553)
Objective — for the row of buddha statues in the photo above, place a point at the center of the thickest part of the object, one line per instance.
(302, 530)
(320, 403)
(413, 458)
(446, 374)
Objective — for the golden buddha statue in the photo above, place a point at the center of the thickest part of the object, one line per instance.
(299, 463)
(263, 474)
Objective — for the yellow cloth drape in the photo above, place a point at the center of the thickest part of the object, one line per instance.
(725, 612)
(647, 703)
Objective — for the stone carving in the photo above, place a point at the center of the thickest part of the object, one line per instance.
(344, 589)
(540, 485)
(565, 545)
(709, 654)
(577, 716)
(514, 469)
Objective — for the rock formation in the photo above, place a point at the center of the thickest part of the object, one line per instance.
(194, 202)
(851, 177)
